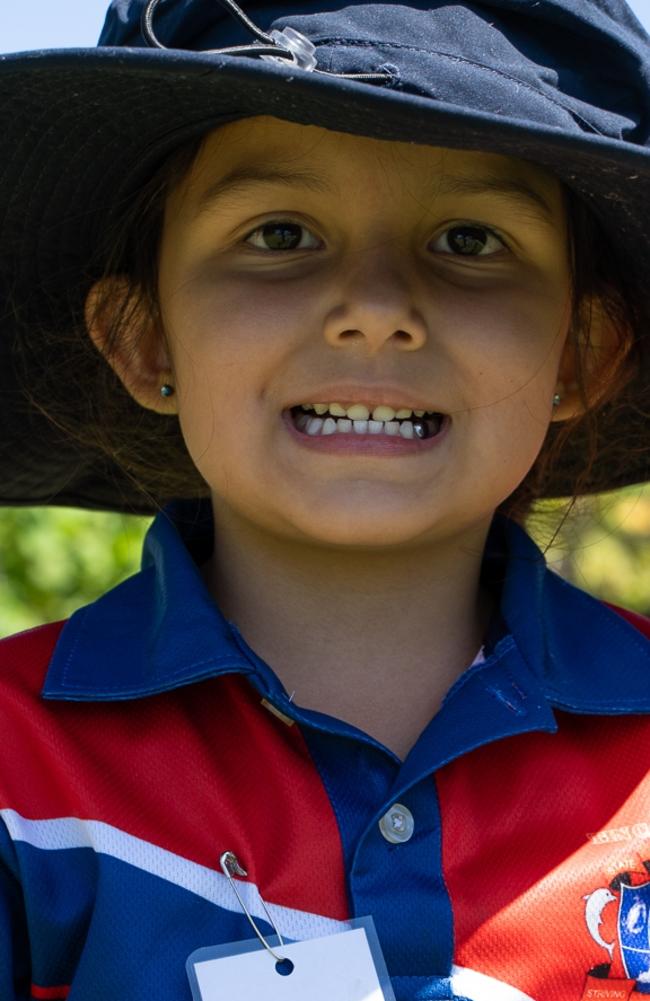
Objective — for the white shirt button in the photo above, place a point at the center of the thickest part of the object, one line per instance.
(397, 824)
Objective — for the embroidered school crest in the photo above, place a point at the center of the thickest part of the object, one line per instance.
(626, 971)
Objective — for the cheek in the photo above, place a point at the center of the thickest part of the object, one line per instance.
(509, 341)
(230, 349)
(225, 322)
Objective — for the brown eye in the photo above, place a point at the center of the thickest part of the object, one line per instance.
(282, 235)
(468, 241)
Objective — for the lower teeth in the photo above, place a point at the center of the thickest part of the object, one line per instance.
(315, 426)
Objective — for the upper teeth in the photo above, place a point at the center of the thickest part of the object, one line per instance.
(359, 412)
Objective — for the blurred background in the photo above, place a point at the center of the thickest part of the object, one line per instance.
(52, 560)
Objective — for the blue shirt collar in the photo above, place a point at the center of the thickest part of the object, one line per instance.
(161, 629)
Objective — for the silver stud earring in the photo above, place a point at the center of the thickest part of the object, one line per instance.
(166, 390)
(557, 399)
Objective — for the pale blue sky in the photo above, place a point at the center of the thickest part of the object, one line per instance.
(49, 24)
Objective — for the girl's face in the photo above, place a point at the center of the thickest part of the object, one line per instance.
(303, 267)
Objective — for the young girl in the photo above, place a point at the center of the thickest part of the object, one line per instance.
(337, 293)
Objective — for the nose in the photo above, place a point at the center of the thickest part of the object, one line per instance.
(375, 305)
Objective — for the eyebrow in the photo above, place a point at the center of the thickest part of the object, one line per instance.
(240, 179)
(237, 181)
(506, 187)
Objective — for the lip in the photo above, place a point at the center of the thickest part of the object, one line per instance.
(373, 445)
(370, 396)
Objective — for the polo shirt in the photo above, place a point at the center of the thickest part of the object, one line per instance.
(507, 857)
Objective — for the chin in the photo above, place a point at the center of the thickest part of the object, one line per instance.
(361, 530)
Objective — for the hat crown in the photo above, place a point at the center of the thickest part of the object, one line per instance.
(201, 24)
(564, 63)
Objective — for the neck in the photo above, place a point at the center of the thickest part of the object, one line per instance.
(351, 631)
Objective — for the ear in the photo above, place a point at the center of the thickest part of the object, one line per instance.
(140, 356)
(590, 353)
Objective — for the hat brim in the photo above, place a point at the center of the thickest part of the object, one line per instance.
(82, 128)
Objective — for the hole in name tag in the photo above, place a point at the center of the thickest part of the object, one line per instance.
(284, 967)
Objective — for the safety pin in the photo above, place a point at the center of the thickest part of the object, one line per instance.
(230, 867)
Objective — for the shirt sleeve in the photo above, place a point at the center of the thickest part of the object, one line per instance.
(15, 978)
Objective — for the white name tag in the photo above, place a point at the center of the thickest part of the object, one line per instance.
(347, 966)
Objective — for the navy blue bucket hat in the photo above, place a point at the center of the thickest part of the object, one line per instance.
(564, 83)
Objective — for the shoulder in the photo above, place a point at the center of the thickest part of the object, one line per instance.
(640, 622)
(596, 655)
(25, 657)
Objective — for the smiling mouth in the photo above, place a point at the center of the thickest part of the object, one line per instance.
(358, 420)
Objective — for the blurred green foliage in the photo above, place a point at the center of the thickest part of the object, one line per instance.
(53, 560)
(604, 546)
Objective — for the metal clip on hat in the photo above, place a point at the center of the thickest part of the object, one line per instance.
(278, 45)
(301, 49)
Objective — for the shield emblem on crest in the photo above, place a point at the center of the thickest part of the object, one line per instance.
(634, 934)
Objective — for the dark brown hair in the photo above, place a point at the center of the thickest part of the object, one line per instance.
(597, 282)
(150, 447)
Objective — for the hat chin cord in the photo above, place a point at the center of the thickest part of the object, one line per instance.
(287, 45)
